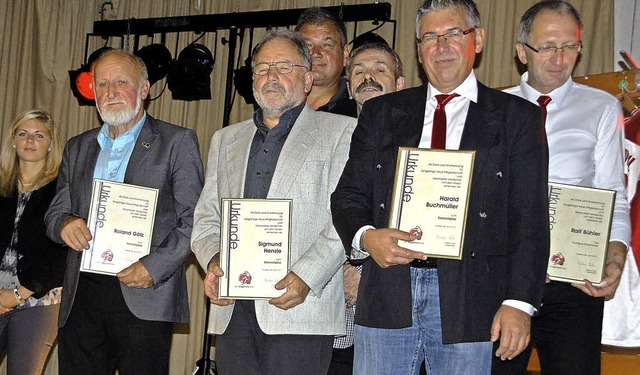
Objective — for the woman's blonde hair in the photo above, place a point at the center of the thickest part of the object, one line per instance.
(9, 162)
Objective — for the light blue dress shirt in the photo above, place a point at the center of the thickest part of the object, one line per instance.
(115, 153)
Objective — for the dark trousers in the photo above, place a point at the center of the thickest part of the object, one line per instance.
(101, 334)
(244, 349)
(567, 334)
(341, 361)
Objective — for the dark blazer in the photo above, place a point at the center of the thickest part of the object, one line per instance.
(506, 245)
(40, 260)
(171, 163)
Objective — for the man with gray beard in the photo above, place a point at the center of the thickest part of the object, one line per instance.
(287, 151)
(125, 321)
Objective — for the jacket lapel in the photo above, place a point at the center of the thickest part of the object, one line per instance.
(409, 119)
(294, 152)
(145, 144)
(236, 156)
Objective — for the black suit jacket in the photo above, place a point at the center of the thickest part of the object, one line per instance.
(506, 244)
(40, 261)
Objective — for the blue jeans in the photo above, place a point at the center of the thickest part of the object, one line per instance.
(401, 351)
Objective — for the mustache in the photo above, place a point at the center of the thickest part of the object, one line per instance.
(367, 84)
(272, 86)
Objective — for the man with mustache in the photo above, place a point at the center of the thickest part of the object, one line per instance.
(454, 314)
(287, 151)
(374, 69)
(125, 320)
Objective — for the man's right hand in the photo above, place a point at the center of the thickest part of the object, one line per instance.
(214, 272)
(382, 245)
(76, 234)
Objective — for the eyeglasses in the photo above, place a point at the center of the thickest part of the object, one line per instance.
(282, 67)
(567, 49)
(454, 35)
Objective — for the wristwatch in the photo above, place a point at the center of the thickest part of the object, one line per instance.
(359, 253)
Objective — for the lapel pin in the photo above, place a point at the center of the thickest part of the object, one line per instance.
(146, 144)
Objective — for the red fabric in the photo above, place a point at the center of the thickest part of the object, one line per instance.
(543, 100)
(439, 131)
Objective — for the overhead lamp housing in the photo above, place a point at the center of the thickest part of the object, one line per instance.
(189, 75)
(157, 58)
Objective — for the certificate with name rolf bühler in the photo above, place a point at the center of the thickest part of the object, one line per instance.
(580, 225)
(255, 247)
(430, 198)
(121, 219)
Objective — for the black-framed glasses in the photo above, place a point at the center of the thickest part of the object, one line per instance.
(455, 35)
(282, 67)
(567, 49)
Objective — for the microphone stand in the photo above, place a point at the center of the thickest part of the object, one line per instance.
(205, 365)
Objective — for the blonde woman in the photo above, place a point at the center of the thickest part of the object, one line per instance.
(31, 265)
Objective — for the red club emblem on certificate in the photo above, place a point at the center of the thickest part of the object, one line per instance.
(557, 259)
(107, 255)
(245, 278)
(417, 231)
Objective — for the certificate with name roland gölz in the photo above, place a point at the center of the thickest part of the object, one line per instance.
(255, 244)
(121, 219)
(580, 225)
(430, 198)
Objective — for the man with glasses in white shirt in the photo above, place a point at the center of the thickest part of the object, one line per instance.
(585, 137)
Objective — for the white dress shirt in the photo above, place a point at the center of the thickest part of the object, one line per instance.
(585, 135)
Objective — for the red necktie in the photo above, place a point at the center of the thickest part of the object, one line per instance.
(439, 131)
(543, 100)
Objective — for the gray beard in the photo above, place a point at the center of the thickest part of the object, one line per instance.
(119, 118)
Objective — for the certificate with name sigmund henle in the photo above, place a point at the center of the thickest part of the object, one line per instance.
(255, 243)
(580, 225)
(430, 198)
(121, 219)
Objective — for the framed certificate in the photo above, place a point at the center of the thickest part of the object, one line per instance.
(580, 225)
(430, 198)
(255, 247)
(121, 218)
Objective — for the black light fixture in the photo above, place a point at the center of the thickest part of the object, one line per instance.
(157, 58)
(243, 81)
(81, 80)
(189, 75)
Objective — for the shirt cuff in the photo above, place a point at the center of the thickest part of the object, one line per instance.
(522, 306)
(356, 251)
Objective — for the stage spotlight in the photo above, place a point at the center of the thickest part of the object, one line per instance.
(243, 80)
(157, 58)
(189, 75)
(81, 80)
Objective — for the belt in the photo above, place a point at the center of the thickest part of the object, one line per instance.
(429, 263)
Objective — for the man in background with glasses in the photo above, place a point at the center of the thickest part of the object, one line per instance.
(287, 151)
(446, 311)
(584, 131)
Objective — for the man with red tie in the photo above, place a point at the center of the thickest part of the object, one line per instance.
(444, 311)
(584, 129)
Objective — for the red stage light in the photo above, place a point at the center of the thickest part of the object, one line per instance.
(84, 84)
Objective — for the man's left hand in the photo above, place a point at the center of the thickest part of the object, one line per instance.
(616, 256)
(513, 328)
(296, 293)
(136, 276)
